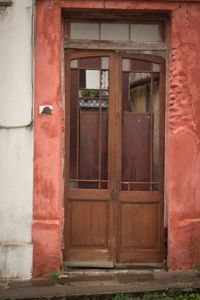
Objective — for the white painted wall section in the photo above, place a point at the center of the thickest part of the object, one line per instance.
(16, 185)
(16, 140)
(16, 63)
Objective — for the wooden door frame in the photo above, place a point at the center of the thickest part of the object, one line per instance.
(114, 148)
(111, 159)
(159, 196)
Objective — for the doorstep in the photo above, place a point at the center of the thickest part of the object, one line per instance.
(94, 282)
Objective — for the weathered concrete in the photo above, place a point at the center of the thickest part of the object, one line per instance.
(16, 261)
(101, 282)
(16, 203)
(16, 140)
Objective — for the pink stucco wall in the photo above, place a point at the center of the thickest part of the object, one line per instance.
(182, 131)
(183, 122)
(47, 212)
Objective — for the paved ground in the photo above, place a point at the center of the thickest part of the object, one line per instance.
(100, 282)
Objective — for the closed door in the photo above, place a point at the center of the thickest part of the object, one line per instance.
(114, 159)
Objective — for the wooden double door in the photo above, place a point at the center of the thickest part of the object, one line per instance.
(114, 162)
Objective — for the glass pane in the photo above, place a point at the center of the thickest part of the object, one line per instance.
(104, 80)
(89, 128)
(105, 63)
(140, 92)
(115, 32)
(156, 68)
(136, 92)
(90, 93)
(140, 131)
(89, 79)
(156, 131)
(125, 64)
(85, 31)
(74, 64)
(145, 32)
(92, 79)
(74, 124)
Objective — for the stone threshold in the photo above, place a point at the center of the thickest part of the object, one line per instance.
(98, 282)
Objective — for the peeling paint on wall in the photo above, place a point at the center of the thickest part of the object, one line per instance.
(184, 139)
(182, 122)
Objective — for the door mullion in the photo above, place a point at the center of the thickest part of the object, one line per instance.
(118, 124)
(111, 154)
(112, 91)
(117, 155)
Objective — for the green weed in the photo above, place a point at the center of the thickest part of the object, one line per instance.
(197, 267)
(55, 275)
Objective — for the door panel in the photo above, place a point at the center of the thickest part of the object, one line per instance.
(141, 216)
(140, 197)
(114, 159)
(89, 165)
(90, 230)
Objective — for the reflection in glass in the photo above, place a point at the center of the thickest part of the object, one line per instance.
(156, 130)
(104, 80)
(93, 89)
(92, 79)
(140, 92)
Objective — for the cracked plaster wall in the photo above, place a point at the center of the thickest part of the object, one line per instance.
(182, 131)
(183, 163)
